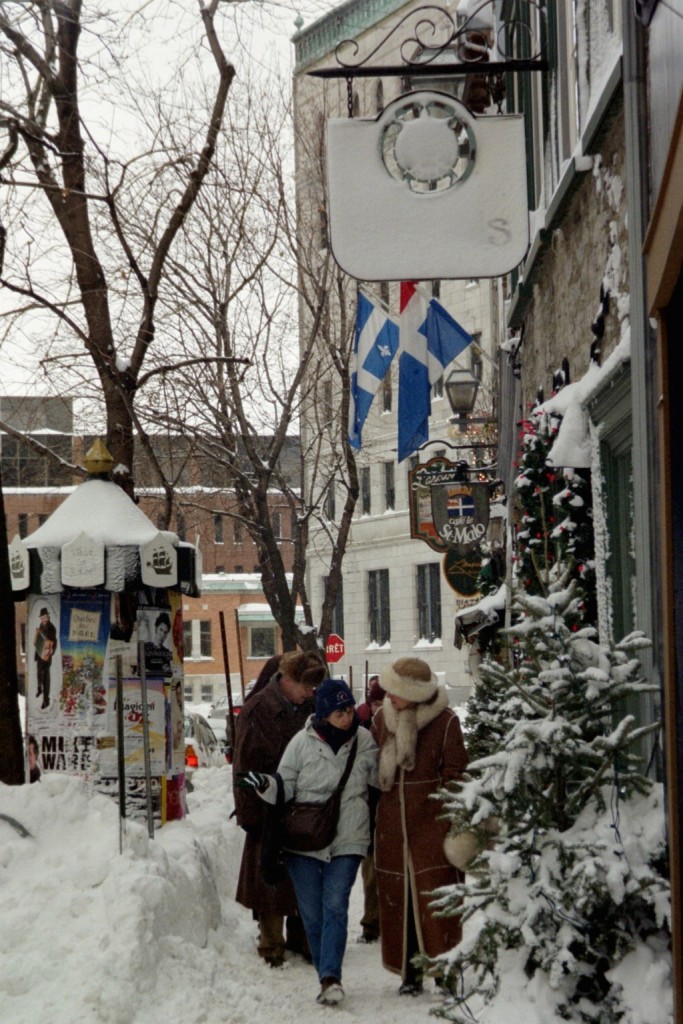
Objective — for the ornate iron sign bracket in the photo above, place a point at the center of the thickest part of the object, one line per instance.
(482, 45)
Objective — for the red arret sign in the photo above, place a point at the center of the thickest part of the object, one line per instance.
(334, 648)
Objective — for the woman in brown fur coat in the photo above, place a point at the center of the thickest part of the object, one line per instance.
(421, 748)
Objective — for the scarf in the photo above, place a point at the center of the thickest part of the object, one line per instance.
(335, 737)
(398, 750)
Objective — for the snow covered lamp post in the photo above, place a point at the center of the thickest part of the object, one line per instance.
(104, 586)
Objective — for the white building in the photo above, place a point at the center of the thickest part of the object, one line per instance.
(396, 600)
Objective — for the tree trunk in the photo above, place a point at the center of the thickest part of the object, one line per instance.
(11, 750)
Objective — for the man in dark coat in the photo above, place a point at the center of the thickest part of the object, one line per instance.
(268, 721)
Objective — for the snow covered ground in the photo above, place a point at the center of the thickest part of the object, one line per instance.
(152, 935)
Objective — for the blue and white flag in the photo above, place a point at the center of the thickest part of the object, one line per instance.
(375, 345)
(430, 340)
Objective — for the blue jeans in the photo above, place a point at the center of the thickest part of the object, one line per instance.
(323, 889)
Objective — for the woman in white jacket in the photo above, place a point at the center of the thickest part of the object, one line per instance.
(310, 769)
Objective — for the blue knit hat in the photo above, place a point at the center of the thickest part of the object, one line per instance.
(332, 695)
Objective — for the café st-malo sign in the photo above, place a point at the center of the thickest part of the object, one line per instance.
(447, 511)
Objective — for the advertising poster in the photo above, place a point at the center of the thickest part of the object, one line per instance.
(133, 728)
(43, 659)
(155, 635)
(84, 634)
(66, 698)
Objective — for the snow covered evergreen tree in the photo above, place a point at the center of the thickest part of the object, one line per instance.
(555, 521)
(567, 888)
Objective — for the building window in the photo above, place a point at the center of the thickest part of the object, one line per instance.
(239, 568)
(42, 518)
(437, 388)
(389, 487)
(294, 527)
(205, 639)
(365, 495)
(23, 524)
(324, 234)
(611, 412)
(378, 606)
(387, 391)
(276, 520)
(476, 358)
(429, 601)
(413, 461)
(379, 97)
(237, 533)
(436, 289)
(331, 502)
(187, 639)
(338, 610)
(220, 568)
(207, 693)
(327, 401)
(262, 641)
(188, 693)
(218, 529)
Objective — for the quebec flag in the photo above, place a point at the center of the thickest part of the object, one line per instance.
(430, 340)
(375, 345)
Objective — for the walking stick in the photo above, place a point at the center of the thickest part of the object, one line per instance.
(228, 685)
(239, 650)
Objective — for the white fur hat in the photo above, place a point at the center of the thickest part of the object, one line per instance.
(410, 678)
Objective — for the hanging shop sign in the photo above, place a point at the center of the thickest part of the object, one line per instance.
(447, 512)
(427, 190)
(461, 572)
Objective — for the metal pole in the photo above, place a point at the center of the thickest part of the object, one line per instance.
(239, 650)
(228, 685)
(145, 738)
(120, 751)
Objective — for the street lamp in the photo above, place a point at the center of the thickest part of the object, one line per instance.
(461, 388)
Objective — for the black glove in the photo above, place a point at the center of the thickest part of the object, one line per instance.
(252, 780)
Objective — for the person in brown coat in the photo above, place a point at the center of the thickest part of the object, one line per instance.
(421, 748)
(268, 721)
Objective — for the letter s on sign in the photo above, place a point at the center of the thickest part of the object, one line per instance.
(501, 226)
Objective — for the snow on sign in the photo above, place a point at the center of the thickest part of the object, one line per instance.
(334, 648)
